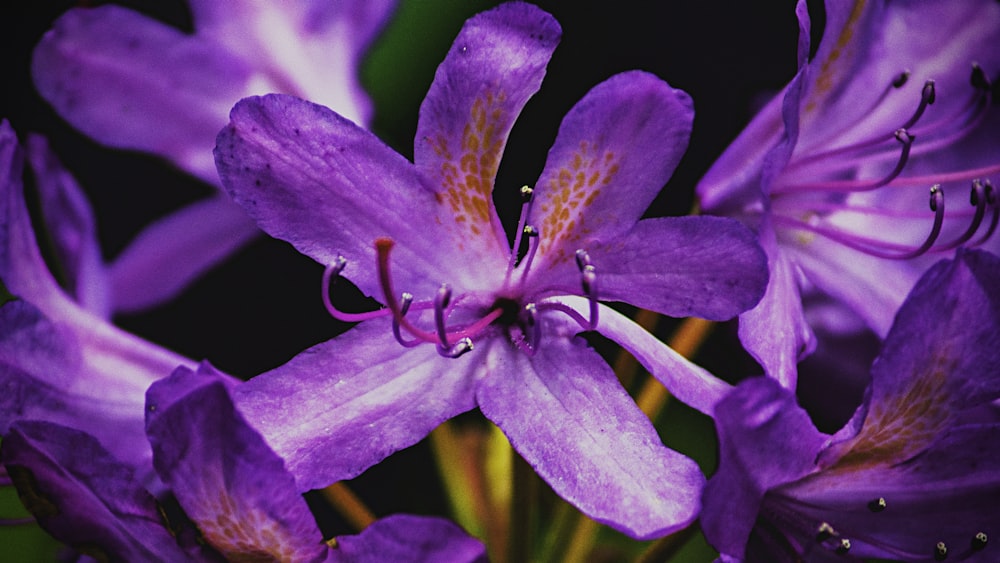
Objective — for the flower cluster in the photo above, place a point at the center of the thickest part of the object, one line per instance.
(498, 330)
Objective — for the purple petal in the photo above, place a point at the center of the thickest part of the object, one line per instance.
(342, 406)
(775, 332)
(70, 222)
(229, 482)
(318, 181)
(22, 268)
(172, 252)
(765, 440)
(131, 82)
(43, 377)
(707, 267)
(689, 383)
(939, 359)
(565, 412)
(418, 539)
(83, 496)
(309, 49)
(615, 150)
(947, 494)
(495, 64)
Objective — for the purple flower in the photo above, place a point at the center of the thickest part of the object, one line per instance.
(59, 360)
(835, 173)
(132, 82)
(914, 475)
(229, 483)
(477, 323)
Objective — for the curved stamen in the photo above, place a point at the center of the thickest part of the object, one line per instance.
(441, 302)
(588, 279)
(927, 96)
(978, 198)
(533, 237)
(383, 246)
(330, 275)
(992, 200)
(526, 198)
(871, 246)
(405, 300)
(849, 186)
(563, 308)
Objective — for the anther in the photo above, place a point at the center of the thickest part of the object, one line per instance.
(979, 541)
(901, 79)
(978, 79)
(877, 505)
(940, 551)
(844, 547)
(825, 532)
(462, 347)
(526, 193)
(533, 238)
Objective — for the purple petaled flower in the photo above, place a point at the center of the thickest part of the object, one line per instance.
(915, 475)
(132, 82)
(229, 483)
(467, 320)
(59, 360)
(835, 173)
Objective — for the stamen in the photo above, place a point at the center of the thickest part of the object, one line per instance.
(531, 325)
(927, 96)
(871, 246)
(441, 302)
(992, 200)
(533, 236)
(330, 275)
(526, 198)
(940, 551)
(405, 301)
(977, 198)
(383, 246)
(877, 505)
(848, 186)
(979, 541)
(588, 279)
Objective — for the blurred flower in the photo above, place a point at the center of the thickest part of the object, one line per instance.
(132, 82)
(479, 322)
(59, 361)
(835, 173)
(229, 483)
(914, 475)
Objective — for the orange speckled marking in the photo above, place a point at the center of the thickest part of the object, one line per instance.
(573, 190)
(824, 81)
(242, 534)
(467, 180)
(897, 429)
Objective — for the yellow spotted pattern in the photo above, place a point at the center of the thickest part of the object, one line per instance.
(899, 428)
(467, 181)
(573, 189)
(249, 537)
(825, 79)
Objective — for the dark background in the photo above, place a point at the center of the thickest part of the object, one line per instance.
(262, 306)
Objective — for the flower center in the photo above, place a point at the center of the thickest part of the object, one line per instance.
(819, 193)
(512, 311)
